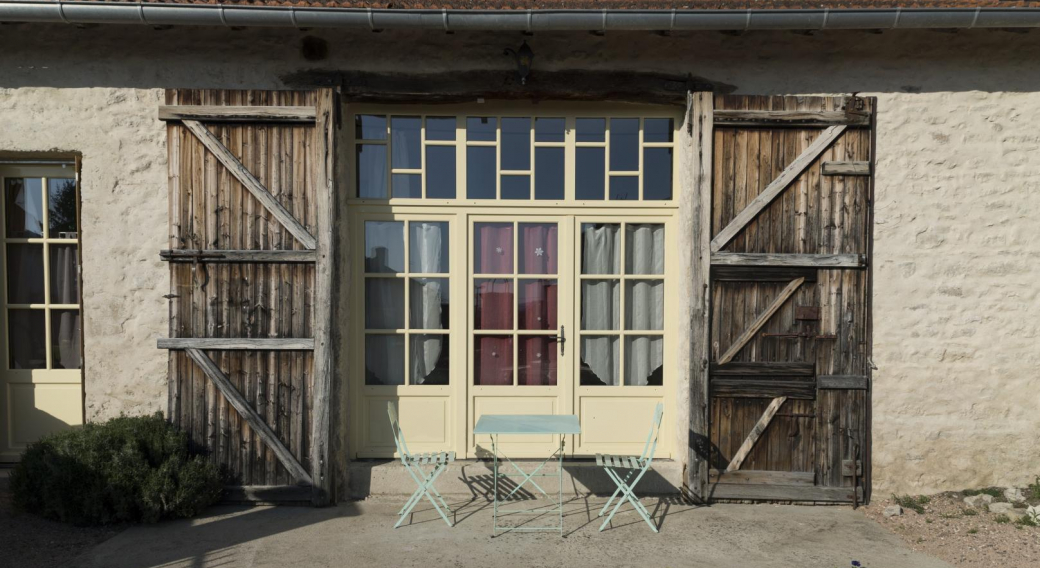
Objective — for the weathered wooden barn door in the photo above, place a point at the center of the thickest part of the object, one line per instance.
(251, 199)
(789, 380)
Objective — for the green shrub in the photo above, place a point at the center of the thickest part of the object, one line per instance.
(1034, 489)
(1002, 519)
(129, 469)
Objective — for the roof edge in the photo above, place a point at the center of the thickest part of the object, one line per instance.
(156, 14)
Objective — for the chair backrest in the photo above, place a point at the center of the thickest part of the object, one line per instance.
(395, 427)
(655, 431)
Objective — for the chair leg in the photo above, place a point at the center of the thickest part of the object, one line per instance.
(621, 484)
(425, 486)
(611, 500)
(629, 495)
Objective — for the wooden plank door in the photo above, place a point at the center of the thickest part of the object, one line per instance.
(251, 200)
(789, 381)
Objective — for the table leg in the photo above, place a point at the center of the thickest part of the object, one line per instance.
(559, 469)
(494, 450)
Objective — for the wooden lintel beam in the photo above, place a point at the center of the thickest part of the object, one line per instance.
(846, 168)
(237, 343)
(761, 320)
(256, 423)
(251, 183)
(776, 187)
(756, 433)
(218, 256)
(843, 382)
(283, 114)
(788, 118)
(790, 260)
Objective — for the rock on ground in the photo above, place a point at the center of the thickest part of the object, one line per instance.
(978, 501)
(1000, 508)
(1014, 495)
(892, 511)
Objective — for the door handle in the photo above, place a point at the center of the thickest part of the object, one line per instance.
(562, 338)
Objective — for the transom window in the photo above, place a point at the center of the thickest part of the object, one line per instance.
(482, 157)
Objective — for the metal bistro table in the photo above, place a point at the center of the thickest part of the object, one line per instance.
(508, 424)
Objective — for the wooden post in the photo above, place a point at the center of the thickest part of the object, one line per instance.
(699, 161)
(321, 426)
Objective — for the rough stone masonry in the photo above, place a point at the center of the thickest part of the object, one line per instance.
(957, 241)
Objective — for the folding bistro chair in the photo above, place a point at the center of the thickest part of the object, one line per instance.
(414, 465)
(633, 466)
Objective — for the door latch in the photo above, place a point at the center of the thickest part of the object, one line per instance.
(561, 338)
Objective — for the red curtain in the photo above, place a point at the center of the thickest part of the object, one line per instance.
(493, 304)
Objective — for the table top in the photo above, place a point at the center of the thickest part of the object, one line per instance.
(527, 424)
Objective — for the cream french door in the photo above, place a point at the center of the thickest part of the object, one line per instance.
(520, 296)
(40, 376)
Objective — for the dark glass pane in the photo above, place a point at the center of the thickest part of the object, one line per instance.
(493, 303)
(549, 129)
(600, 248)
(549, 173)
(657, 130)
(493, 360)
(406, 142)
(481, 128)
(644, 361)
(440, 172)
(429, 299)
(64, 261)
(384, 303)
(28, 341)
(430, 364)
(590, 129)
(624, 188)
(657, 173)
(588, 173)
(384, 359)
(25, 274)
(66, 328)
(371, 171)
(61, 202)
(538, 308)
(516, 187)
(600, 361)
(624, 144)
(516, 143)
(440, 128)
(480, 172)
(644, 305)
(429, 247)
(384, 246)
(24, 204)
(538, 248)
(493, 248)
(536, 363)
(369, 127)
(600, 304)
(407, 185)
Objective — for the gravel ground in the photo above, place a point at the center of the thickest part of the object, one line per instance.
(964, 540)
(30, 541)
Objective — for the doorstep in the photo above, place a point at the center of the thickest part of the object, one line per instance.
(473, 478)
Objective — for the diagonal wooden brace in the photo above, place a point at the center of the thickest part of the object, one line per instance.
(776, 187)
(750, 332)
(251, 183)
(756, 433)
(254, 420)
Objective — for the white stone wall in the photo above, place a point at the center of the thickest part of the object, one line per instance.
(957, 240)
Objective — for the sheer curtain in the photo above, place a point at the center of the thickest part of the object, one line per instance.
(601, 301)
(426, 252)
(65, 290)
(644, 304)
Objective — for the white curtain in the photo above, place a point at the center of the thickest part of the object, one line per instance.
(65, 290)
(427, 241)
(644, 301)
(601, 300)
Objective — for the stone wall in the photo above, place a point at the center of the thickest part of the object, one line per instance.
(957, 243)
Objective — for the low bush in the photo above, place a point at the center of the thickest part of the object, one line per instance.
(126, 470)
(913, 503)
